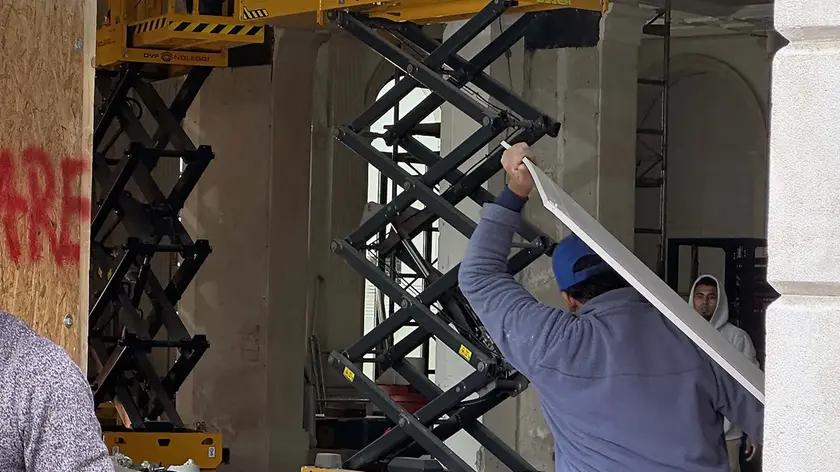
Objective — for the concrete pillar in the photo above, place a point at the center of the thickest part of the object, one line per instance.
(592, 92)
(230, 207)
(250, 296)
(346, 82)
(804, 243)
(292, 98)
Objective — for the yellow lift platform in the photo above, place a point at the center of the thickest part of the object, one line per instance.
(205, 449)
(415, 11)
(172, 32)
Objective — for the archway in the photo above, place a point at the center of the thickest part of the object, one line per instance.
(717, 156)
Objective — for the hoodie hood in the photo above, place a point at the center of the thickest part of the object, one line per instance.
(721, 314)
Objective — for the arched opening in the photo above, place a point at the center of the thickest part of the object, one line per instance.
(717, 156)
(382, 190)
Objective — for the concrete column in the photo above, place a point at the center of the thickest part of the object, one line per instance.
(250, 296)
(592, 92)
(231, 197)
(346, 82)
(292, 98)
(804, 242)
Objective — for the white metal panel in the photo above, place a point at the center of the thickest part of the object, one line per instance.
(654, 289)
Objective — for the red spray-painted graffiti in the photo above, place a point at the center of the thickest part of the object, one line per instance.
(30, 206)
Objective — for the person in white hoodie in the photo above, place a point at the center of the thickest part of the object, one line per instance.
(709, 300)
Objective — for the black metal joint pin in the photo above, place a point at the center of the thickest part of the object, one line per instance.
(404, 422)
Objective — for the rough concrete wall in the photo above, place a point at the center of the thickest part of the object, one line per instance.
(344, 71)
(747, 54)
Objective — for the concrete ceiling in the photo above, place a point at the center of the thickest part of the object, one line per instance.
(708, 7)
(715, 17)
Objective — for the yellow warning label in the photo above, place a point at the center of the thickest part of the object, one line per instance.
(348, 374)
(253, 14)
(464, 352)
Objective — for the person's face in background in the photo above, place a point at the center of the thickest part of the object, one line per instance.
(705, 300)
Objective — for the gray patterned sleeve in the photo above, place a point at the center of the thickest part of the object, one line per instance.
(57, 421)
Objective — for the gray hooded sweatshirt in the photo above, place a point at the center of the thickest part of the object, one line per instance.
(735, 335)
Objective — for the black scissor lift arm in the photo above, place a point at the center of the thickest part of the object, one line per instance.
(132, 310)
(440, 310)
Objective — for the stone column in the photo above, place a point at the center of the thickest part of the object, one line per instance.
(801, 429)
(345, 83)
(249, 298)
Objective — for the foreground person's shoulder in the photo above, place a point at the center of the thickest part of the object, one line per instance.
(32, 355)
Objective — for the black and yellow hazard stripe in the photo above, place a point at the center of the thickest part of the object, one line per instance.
(148, 25)
(214, 28)
(253, 14)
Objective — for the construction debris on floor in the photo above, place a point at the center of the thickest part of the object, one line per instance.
(124, 463)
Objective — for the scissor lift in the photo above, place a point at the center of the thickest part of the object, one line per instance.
(440, 310)
(122, 278)
(133, 310)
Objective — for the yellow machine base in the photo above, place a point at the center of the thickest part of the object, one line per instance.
(167, 449)
(418, 11)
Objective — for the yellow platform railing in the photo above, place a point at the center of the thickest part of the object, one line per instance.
(418, 11)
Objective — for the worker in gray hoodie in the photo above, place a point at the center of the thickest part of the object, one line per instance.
(621, 387)
(708, 297)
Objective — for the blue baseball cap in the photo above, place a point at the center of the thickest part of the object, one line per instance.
(566, 254)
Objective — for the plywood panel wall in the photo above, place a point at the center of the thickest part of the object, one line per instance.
(46, 120)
